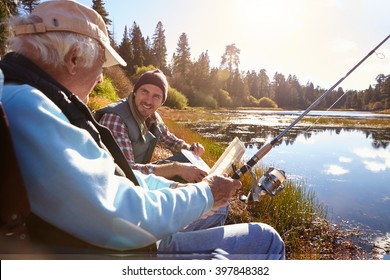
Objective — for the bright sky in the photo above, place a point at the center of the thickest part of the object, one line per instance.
(316, 40)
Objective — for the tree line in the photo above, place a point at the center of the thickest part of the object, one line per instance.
(226, 85)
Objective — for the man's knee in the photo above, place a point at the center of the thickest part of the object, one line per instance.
(268, 235)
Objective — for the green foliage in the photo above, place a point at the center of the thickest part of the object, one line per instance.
(106, 89)
(140, 70)
(201, 99)
(210, 102)
(176, 99)
(253, 102)
(266, 102)
(102, 95)
(224, 98)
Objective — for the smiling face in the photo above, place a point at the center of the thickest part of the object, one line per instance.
(147, 99)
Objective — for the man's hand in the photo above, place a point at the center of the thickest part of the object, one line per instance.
(197, 148)
(190, 172)
(187, 171)
(223, 188)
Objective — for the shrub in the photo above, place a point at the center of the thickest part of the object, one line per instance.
(377, 106)
(210, 102)
(266, 102)
(224, 98)
(97, 102)
(252, 101)
(176, 99)
(201, 99)
(102, 95)
(105, 89)
(143, 69)
(121, 82)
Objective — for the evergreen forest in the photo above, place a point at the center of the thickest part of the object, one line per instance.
(199, 84)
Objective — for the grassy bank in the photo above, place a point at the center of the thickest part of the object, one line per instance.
(294, 213)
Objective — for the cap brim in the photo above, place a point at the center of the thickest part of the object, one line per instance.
(112, 57)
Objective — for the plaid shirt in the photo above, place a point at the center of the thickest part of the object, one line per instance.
(118, 128)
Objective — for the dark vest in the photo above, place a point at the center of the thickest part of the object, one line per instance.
(18, 69)
(143, 146)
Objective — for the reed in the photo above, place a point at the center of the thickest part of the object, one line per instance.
(334, 122)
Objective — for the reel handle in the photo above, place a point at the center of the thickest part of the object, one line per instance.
(258, 156)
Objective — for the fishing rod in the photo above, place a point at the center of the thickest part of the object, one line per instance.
(273, 178)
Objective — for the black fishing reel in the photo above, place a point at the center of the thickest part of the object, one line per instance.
(270, 183)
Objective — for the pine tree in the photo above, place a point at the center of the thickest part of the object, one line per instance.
(280, 88)
(264, 84)
(159, 49)
(98, 6)
(200, 75)
(230, 61)
(139, 46)
(252, 82)
(125, 50)
(231, 58)
(28, 5)
(182, 61)
(149, 59)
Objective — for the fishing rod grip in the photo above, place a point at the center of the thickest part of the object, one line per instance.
(258, 156)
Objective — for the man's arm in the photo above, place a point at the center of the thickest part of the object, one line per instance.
(172, 142)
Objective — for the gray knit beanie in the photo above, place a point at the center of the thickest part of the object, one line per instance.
(154, 77)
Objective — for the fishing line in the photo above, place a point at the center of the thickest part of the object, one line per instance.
(321, 116)
(379, 56)
(272, 180)
(268, 146)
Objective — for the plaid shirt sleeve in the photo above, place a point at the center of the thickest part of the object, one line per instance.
(120, 132)
(168, 140)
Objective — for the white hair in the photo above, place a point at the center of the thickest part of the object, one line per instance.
(53, 46)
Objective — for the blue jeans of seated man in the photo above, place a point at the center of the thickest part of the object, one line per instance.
(236, 242)
(215, 220)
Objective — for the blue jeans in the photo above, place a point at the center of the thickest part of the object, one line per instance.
(215, 220)
(238, 241)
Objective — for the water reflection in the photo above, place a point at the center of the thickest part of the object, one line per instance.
(348, 168)
(375, 161)
(347, 172)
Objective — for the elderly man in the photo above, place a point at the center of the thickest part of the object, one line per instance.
(80, 188)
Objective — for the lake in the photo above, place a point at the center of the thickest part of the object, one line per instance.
(348, 168)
